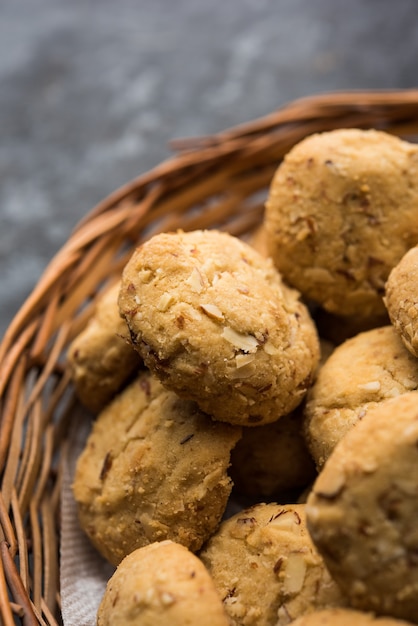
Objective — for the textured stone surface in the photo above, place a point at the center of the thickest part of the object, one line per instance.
(91, 92)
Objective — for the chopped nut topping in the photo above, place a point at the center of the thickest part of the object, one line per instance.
(213, 311)
(247, 343)
(194, 314)
(145, 275)
(244, 359)
(243, 289)
(245, 371)
(295, 573)
(165, 301)
(167, 598)
(373, 385)
(216, 278)
(195, 281)
(270, 349)
(208, 266)
(286, 521)
(261, 337)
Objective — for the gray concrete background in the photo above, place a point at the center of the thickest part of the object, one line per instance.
(92, 91)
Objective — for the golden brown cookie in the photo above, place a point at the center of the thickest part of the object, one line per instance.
(162, 584)
(272, 459)
(154, 468)
(360, 373)
(266, 568)
(340, 215)
(346, 617)
(363, 508)
(213, 320)
(101, 358)
(402, 299)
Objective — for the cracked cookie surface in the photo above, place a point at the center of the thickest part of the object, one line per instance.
(213, 320)
(266, 568)
(341, 213)
(153, 468)
(360, 373)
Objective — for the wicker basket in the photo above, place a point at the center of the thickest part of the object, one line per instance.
(218, 181)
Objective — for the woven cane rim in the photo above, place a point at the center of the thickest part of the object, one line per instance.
(218, 181)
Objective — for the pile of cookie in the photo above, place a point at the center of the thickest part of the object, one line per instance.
(253, 458)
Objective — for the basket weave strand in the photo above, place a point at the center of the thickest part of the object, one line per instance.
(218, 181)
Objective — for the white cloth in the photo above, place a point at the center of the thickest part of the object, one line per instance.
(84, 573)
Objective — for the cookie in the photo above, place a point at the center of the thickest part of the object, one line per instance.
(159, 584)
(273, 459)
(340, 214)
(101, 358)
(266, 569)
(213, 320)
(345, 617)
(402, 299)
(154, 468)
(362, 510)
(360, 373)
